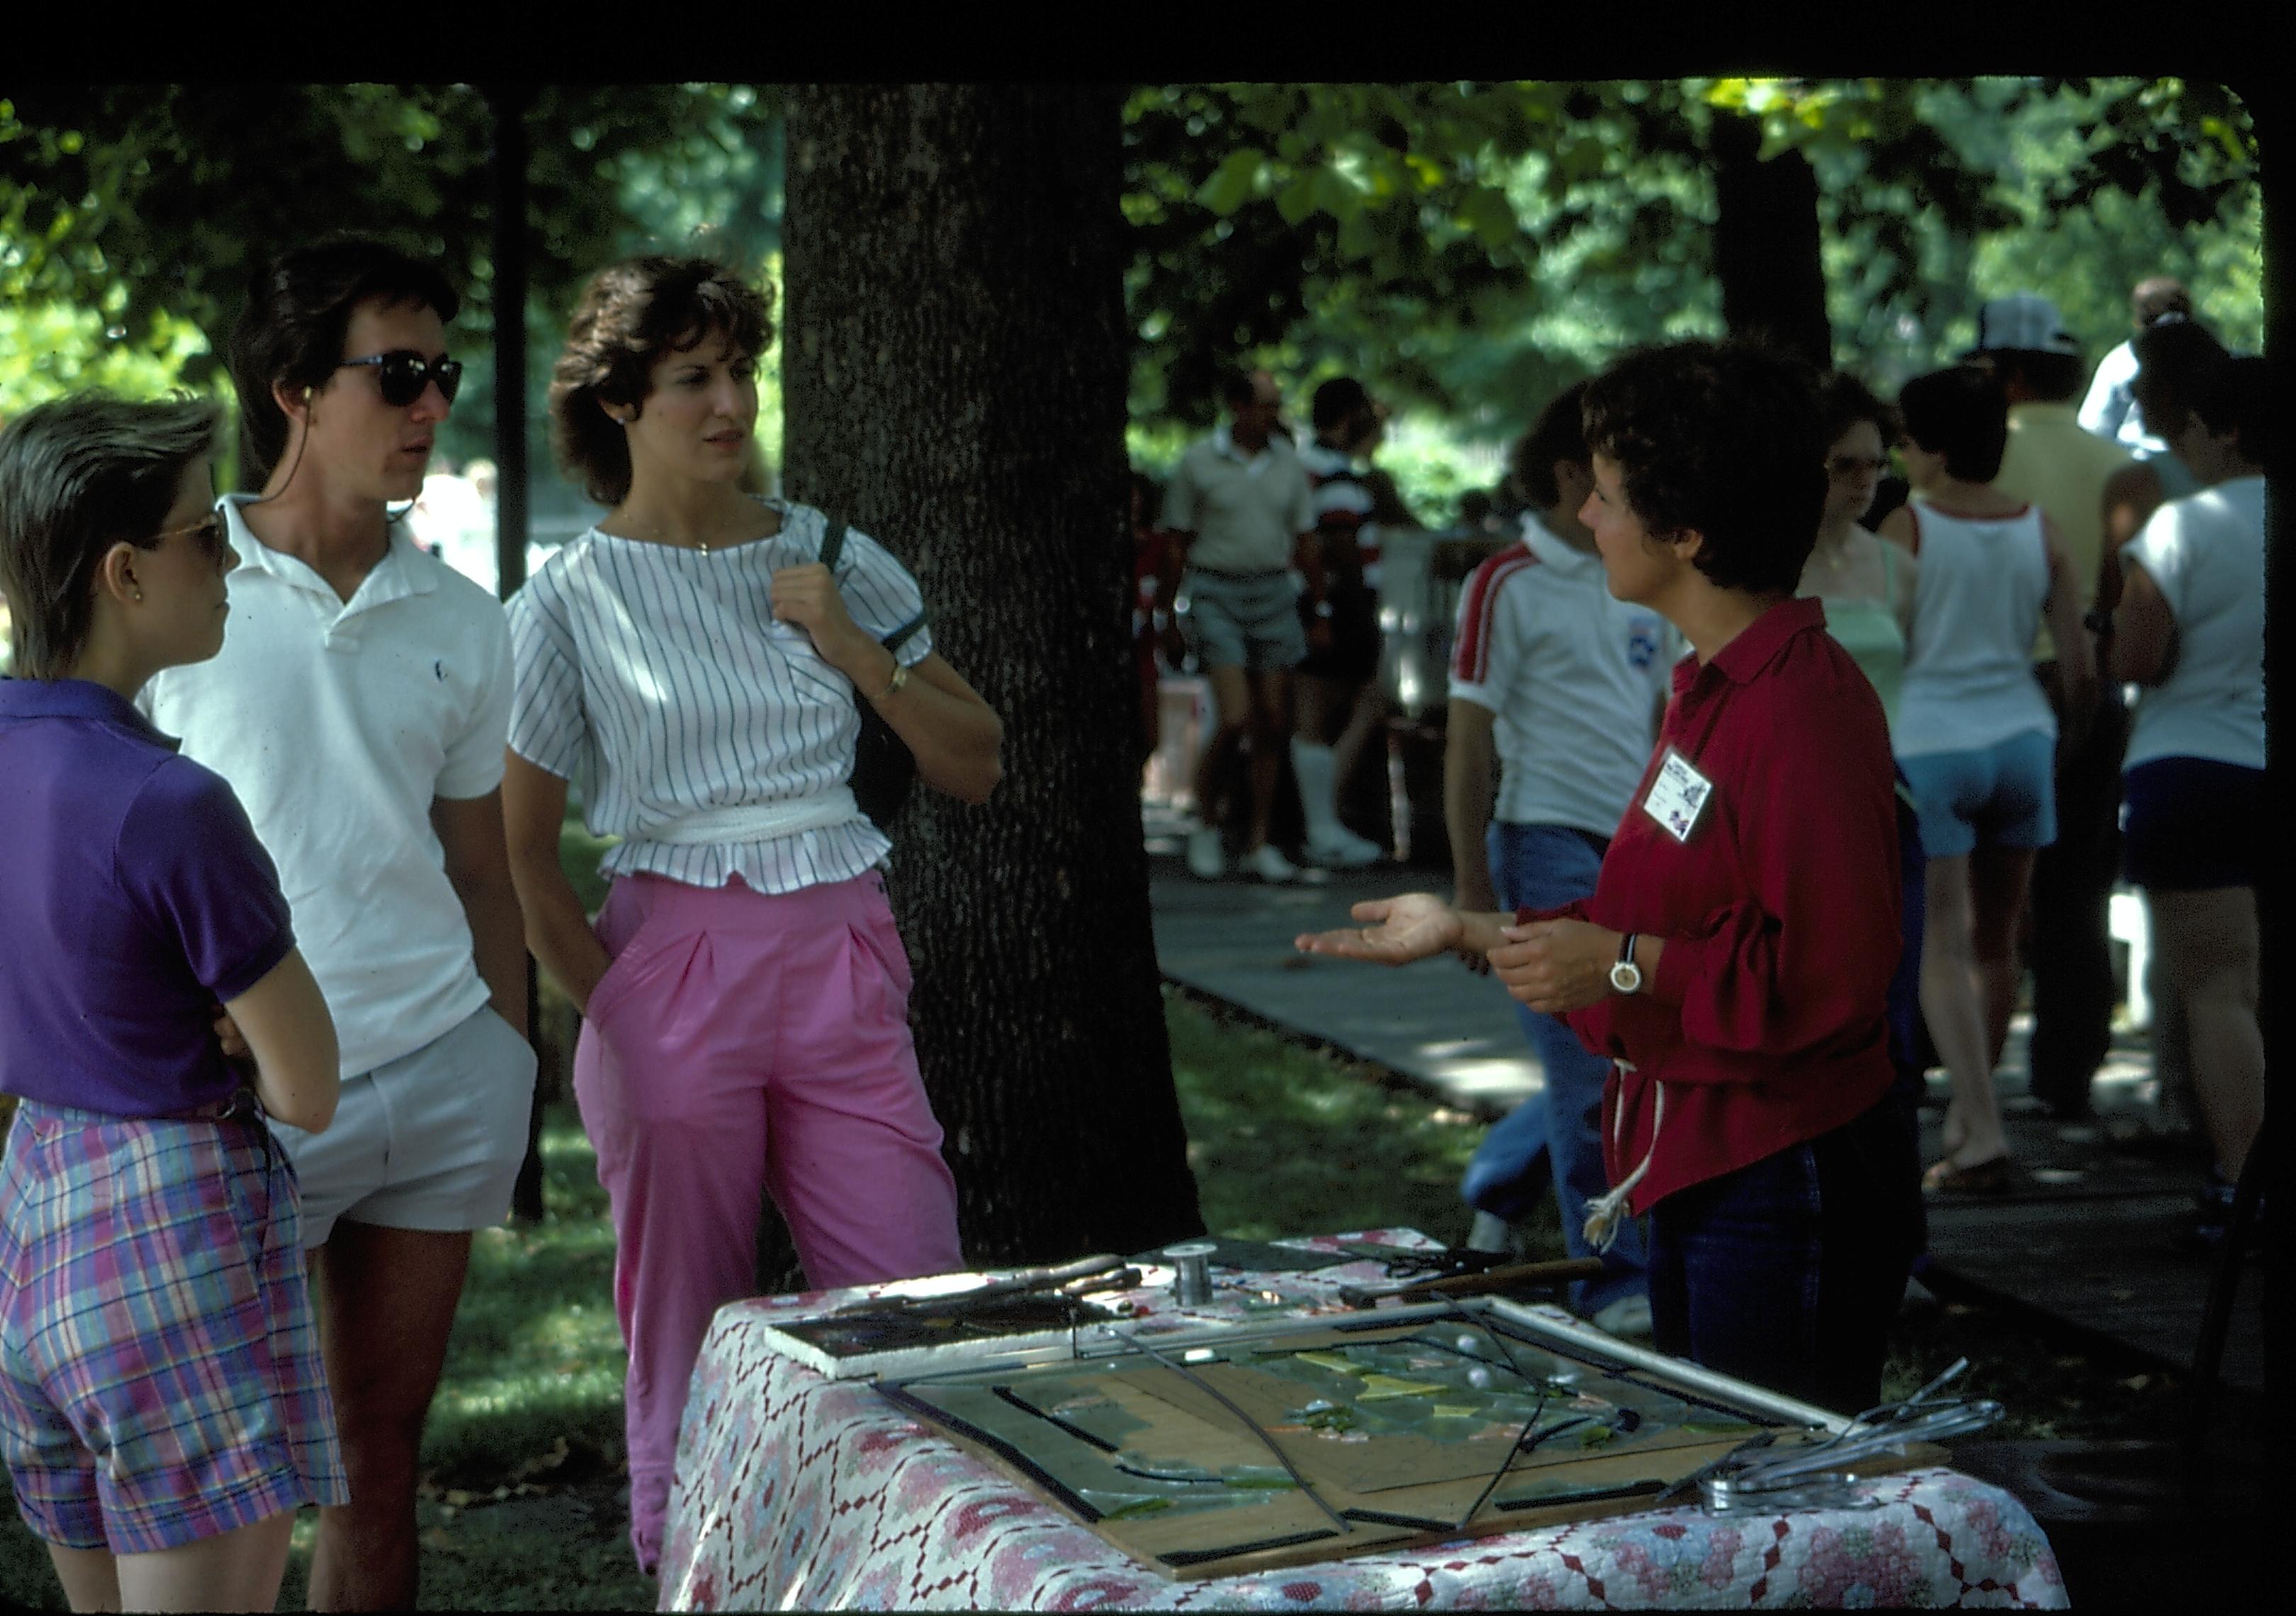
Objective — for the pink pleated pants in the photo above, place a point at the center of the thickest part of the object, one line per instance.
(745, 1043)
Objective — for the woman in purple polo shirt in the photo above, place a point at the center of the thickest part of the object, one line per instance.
(163, 1408)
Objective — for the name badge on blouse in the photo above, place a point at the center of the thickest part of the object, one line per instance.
(1679, 795)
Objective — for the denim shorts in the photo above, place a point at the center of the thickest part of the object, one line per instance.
(160, 1380)
(432, 1140)
(1238, 622)
(2001, 796)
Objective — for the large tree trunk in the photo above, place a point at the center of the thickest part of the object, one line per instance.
(954, 367)
(1765, 246)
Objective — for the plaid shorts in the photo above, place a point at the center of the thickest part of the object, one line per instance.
(161, 1379)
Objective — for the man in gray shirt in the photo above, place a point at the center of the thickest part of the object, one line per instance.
(1240, 514)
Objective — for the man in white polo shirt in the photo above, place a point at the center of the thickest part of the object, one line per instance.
(1564, 686)
(359, 708)
(1240, 513)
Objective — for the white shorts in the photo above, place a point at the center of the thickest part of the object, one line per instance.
(432, 1140)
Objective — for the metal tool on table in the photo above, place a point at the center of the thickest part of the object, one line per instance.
(1192, 1277)
(1126, 1278)
(1072, 1279)
(1477, 1282)
(1818, 1476)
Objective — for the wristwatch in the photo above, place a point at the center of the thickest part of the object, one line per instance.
(1626, 976)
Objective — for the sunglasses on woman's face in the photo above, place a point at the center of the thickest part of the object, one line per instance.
(402, 375)
(208, 534)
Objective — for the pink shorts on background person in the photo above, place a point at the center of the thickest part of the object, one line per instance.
(160, 1380)
(744, 1044)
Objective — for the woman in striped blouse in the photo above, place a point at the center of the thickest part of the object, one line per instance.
(693, 668)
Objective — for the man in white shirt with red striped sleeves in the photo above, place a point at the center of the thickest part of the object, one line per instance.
(1561, 685)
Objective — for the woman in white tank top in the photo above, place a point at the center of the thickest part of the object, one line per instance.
(1975, 735)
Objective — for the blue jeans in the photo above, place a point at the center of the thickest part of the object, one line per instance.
(1906, 987)
(1788, 1271)
(1543, 866)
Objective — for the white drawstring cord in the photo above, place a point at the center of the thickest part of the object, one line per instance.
(1605, 1212)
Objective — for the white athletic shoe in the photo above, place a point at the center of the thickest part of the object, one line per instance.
(1269, 864)
(1341, 849)
(1627, 1318)
(1490, 1234)
(1206, 856)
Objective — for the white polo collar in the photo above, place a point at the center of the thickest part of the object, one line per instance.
(401, 573)
(1556, 551)
(405, 571)
(1224, 444)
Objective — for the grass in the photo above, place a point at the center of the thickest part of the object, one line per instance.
(522, 1508)
(1290, 1140)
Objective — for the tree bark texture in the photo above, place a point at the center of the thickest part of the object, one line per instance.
(954, 366)
(1765, 245)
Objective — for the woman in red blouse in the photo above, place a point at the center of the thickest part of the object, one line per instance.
(1736, 958)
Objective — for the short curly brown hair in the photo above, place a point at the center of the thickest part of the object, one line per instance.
(1724, 439)
(631, 314)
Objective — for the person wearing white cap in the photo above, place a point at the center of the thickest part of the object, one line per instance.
(2074, 476)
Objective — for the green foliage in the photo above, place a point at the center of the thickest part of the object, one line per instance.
(162, 198)
(150, 205)
(1314, 226)
(2075, 189)
(50, 349)
(1469, 250)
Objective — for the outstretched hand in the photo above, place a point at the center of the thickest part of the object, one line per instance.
(1396, 931)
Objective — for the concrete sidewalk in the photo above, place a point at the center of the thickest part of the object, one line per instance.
(1436, 1022)
(2086, 1237)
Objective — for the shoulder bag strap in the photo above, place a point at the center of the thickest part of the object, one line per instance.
(832, 546)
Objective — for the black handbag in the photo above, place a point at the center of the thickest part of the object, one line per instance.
(883, 766)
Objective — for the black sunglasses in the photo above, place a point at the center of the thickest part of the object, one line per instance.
(402, 375)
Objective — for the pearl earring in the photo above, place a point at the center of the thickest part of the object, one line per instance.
(139, 597)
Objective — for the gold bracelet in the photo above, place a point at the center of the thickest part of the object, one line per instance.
(900, 678)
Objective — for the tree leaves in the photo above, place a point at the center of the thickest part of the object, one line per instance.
(154, 203)
(1234, 182)
(1391, 229)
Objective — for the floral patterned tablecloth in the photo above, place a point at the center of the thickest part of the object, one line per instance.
(798, 1491)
